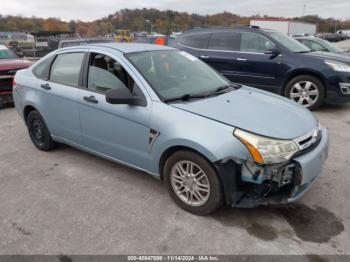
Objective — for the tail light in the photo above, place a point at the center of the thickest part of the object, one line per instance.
(14, 84)
(160, 41)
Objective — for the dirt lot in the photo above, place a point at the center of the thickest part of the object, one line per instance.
(67, 201)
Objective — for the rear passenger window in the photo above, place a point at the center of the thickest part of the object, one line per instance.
(254, 43)
(224, 41)
(196, 41)
(42, 70)
(66, 69)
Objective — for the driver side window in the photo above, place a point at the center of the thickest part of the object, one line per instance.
(254, 43)
(105, 73)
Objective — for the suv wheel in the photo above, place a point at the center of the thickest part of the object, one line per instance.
(38, 132)
(306, 90)
(193, 183)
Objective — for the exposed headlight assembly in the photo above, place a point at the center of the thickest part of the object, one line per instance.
(337, 66)
(266, 150)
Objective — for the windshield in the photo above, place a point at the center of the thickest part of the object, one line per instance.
(330, 46)
(174, 73)
(6, 53)
(288, 42)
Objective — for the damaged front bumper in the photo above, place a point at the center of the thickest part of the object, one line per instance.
(274, 184)
(311, 167)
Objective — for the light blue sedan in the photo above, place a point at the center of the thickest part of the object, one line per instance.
(165, 112)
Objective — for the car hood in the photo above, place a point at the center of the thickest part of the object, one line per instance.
(13, 64)
(340, 57)
(255, 111)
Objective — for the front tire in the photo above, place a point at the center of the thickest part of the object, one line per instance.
(193, 183)
(38, 132)
(306, 90)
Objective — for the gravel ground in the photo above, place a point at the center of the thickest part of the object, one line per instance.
(70, 202)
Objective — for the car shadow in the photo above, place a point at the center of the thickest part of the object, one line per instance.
(333, 108)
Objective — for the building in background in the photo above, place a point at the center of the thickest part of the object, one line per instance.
(16, 36)
(286, 26)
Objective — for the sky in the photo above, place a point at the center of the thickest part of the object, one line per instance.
(89, 10)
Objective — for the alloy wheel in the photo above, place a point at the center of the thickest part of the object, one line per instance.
(190, 183)
(305, 93)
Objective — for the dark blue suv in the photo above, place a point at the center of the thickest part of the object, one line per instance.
(272, 61)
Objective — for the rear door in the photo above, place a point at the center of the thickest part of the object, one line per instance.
(221, 54)
(59, 96)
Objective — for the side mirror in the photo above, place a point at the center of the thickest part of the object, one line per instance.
(123, 96)
(273, 51)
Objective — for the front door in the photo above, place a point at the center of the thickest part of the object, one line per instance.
(257, 68)
(221, 54)
(120, 132)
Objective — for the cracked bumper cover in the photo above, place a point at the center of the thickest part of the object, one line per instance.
(306, 169)
(311, 167)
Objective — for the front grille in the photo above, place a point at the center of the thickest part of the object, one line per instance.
(309, 141)
(6, 84)
(6, 78)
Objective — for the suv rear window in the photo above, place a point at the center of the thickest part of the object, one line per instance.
(224, 41)
(196, 41)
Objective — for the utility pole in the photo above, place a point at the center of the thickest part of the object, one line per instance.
(304, 9)
(149, 21)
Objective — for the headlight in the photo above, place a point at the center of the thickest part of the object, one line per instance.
(336, 66)
(266, 150)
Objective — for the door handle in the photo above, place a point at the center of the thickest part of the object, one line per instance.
(204, 56)
(91, 99)
(46, 86)
(241, 59)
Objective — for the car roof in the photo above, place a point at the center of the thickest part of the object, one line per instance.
(127, 47)
(78, 40)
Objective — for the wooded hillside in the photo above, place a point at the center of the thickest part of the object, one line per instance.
(163, 22)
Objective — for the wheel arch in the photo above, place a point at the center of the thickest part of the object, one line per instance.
(173, 149)
(27, 109)
(300, 72)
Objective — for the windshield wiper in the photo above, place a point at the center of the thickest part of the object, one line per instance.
(184, 97)
(303, 52)
(218, 91)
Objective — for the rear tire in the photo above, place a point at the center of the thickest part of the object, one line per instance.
(306, 90)
(193, 183)
(38, 132)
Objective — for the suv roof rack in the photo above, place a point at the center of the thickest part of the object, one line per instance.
(225, 27)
